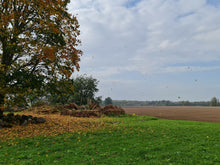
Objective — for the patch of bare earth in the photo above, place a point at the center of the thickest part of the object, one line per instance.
(206, 114)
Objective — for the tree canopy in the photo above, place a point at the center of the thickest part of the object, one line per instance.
(80, 90)
(108, 101)
(214, 102)
(85, 89)
(38, 43)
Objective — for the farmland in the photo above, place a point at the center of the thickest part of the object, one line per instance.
(194, 113)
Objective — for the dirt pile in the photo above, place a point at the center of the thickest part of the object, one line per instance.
(112, 110)
(92, 110)
(94, 106)
(71, 106)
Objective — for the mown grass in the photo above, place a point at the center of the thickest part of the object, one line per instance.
(125, 140)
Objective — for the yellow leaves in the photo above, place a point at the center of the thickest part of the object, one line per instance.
(37, 144)
(55, 125)
(79, 140)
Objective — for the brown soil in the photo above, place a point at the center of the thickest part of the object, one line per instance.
(206, 114)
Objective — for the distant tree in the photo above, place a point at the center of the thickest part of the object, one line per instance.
(214, 102)
(80, 90)
(108, 101)
(84, 89)
(98, 100)
(60, 91)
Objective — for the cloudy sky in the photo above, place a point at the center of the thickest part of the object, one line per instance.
(151, 49)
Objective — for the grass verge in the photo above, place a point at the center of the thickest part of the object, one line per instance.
(124, 140)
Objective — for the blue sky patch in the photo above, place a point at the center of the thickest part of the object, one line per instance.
(185, 15)
(132, 3)
(215, 3)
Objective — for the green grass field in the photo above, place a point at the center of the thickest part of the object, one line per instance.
(129, 139)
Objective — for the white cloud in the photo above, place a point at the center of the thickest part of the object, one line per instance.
(153, 31)
(149, 37)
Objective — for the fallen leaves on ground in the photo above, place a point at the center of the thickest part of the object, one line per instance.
(55, 124)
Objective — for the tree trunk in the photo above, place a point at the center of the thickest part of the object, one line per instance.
(1, 105)
(2, 88)
(1, 114)
(1, 100)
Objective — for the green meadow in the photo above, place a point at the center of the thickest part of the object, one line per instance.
(128, 139)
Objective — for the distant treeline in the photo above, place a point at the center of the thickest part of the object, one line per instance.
(160, 103)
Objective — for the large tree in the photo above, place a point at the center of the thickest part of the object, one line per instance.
(38, 42)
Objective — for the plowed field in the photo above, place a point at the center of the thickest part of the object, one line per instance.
(206, 114)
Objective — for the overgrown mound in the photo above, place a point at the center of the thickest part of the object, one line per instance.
(71, 106)
(112, 110)
(44, 109)
(79, 113)
(7, 121)
(14, 109)
(91, 110)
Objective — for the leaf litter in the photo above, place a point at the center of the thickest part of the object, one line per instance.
(55, 124)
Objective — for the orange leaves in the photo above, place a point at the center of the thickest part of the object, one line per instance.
(67, 72)
(49, 52)
(55, 124)
(4, 4)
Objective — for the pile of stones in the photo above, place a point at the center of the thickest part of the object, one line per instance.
(14, 109)
(7, 121)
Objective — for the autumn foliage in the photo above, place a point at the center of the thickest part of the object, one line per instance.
(38, 43)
